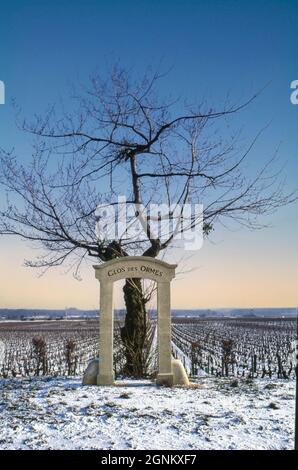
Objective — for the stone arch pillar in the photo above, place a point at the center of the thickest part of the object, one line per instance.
(135, 267)
(165, 373)
(106, 334)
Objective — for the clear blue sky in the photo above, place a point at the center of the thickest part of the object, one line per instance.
(215, 48)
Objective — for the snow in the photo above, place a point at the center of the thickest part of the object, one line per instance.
(60, 413)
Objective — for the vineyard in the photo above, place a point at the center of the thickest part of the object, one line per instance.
(47, 348)
(250, 347)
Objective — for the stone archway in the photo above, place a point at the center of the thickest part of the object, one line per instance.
(135, 267)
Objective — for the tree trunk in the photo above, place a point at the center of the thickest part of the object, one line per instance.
(134, 334)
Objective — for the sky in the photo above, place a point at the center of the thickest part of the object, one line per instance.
(213, 48)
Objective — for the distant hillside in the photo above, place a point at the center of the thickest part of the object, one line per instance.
(31, 314)
(24, 314)
(237, 312)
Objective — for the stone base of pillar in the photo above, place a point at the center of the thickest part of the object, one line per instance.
(105, 379)
(166, 380)
(179, 372)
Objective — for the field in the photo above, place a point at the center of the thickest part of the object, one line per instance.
(47, 348)
(225, 347)
(242, 393)
(239, 347)
(58, 413)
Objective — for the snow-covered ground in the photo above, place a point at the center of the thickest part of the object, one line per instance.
(59, 413)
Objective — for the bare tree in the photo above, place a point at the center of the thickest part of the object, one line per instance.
(40, 354)
(227, 355)
(71, 358)
(123, 138)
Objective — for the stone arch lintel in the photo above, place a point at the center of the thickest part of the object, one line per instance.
(135, 267)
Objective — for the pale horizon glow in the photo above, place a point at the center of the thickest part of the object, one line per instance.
(241, 269)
